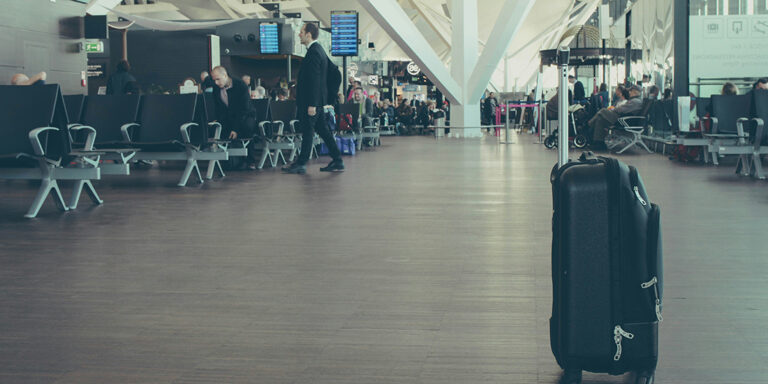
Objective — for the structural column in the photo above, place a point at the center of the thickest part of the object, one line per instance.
(680, 28)
(464, 53)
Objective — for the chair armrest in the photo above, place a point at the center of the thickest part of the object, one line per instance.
(124, 130)
(262, 128)
(34, 139)
(759, 127)
(185, 132)
(632, 121)
(216, 129)
(90, 139)
(740, 129)
(293, 124)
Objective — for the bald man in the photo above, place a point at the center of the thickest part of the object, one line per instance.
(22, 79)
(233, 109)
(233, 106)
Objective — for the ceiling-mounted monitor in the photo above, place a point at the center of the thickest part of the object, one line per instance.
(344, 33)
(269, 38)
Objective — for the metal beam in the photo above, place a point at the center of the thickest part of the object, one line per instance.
(441, 31)
(510, 19)
(101, 7)
(393, 19)
(223, 4)
(580, 16)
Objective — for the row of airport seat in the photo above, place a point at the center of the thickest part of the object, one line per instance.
(735, 125)
(50, 137)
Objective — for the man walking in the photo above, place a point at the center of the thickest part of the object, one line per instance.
(311, 96)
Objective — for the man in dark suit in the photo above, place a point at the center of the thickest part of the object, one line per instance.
(233, 108)
(233, 105)
(311, 96)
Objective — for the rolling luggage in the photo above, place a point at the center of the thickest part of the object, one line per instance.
(606, 270)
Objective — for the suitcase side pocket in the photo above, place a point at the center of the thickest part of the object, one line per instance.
(642, 351)
(653, 285)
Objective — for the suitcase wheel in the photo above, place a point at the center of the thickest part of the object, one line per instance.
(571, 376)
(644, 377)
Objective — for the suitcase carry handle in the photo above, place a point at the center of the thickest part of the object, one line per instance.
(588, 157)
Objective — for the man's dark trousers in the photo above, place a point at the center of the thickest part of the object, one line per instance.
(310, 125)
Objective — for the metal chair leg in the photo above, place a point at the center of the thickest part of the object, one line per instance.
(78, 189)
(191, 165)
(45, 188)
(265, 154)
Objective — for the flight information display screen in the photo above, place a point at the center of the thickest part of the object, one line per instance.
(344, 28)
(269, 38)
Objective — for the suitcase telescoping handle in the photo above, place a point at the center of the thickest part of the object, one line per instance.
(563, 55)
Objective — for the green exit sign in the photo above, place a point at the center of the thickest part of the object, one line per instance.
(94, 47)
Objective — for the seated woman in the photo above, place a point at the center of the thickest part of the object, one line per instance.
(729, 89)
(404, 116)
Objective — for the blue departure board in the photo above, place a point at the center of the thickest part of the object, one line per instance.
(344, 33)
(269, 38)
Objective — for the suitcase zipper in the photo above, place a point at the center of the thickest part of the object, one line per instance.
(637, 194)
(652, 283)
(618, 333)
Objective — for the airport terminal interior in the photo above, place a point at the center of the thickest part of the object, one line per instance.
(168, 213)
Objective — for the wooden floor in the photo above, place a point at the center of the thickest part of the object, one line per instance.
(425, 262)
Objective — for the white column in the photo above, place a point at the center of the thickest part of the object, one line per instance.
(463, 59)
(509, 21)
(506, 74)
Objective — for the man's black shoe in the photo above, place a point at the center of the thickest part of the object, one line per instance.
(295, 168)
(333, 166)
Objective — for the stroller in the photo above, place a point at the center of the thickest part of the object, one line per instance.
(577, 117)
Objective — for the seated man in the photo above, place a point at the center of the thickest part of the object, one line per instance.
(282, 94)
(607, 117)
(22, 79)
(366, 106)
(233, 109)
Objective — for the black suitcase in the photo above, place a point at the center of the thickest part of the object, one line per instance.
(606, 270)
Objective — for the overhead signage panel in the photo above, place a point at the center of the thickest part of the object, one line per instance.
(344, 33)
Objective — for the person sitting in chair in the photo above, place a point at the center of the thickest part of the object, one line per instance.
(366, 106)
(22, 79)
(607, 117)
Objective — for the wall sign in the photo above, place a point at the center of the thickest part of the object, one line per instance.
(413, 68)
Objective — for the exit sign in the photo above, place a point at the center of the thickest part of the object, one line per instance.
(94, 47)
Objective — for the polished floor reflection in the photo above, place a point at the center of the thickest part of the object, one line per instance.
(425, 262)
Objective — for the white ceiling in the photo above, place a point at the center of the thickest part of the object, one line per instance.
(542, 28)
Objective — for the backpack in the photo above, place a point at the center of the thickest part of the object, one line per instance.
(344, 122)
(330, 118)
(685, 154)
(333, 82)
